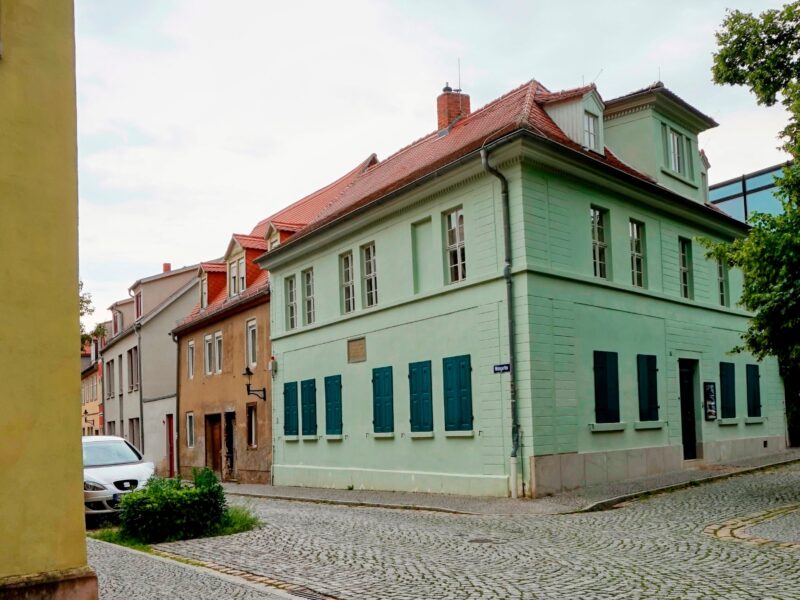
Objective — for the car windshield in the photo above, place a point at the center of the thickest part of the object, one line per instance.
(111, 452)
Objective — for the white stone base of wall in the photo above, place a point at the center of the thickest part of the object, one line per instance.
(387, 480)
(556, 473)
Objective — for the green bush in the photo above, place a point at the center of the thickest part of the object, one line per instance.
(168, 509)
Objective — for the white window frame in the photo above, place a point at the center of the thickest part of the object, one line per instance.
(677, 152)
(290, 284)
(252, 424)
(208, 354)
(455, 249)
(722, 283)
(307, 278)
(190, 359)
(233, 278)
(204, 292)
(636, 230)
(599, 217)
(685, 267)
(591, 126)
(348, 282)
(369, 272)
(218, 352)
(251, 342)
(242, 275)
(190, 430)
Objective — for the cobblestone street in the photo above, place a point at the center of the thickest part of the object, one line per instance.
(655, 547)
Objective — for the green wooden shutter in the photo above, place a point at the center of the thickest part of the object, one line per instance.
(308, 400)
(606, 387)
(420, 397)
(457, 375)
(753, 391)
(382, 400)
(647, 372)
(727, 390)
(333, 405)
(290, 408)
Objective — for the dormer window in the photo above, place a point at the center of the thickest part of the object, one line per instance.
(274, 241)
(676, 158)
(678, 149)
(233, 278)
(138, 304)
(204, 292)
(242, 272)
(590, 130)
(116, 323)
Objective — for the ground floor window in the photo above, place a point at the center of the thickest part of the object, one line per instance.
(134, 433)
(308, 401)
(753, 391)
(419, 382)
(727, 390)
(457, 393)
(333, 405)
(606, 387)
(647, 373)
(290, 408)
(252, 440)
(190, 430)
(382, 400)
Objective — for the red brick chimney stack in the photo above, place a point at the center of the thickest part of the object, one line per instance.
(167, 267)
(450, 105)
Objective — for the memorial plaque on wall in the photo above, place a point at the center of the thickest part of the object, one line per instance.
(710, 400)
(357, 350)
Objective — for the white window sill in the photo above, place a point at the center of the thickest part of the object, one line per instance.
(309, 438)
(643, 425)
(460, 433)
(418, 435)
(384, 435)
(334, 437)
(728, 422)
(753, 420)
(607, 427)
(679, 176)
(291, 438)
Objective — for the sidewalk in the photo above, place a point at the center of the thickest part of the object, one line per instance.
(591, 498)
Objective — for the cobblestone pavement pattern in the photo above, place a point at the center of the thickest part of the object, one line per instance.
(127, 575)
(652, 548)
(785, 528)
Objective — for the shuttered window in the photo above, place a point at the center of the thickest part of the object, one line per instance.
(333, 405)
(647, 372)
(290, 408)
(419, 383)
(382, 400)
(457, 393)
(727, 390)
(753, 391)
(606, 387)
(308, 402)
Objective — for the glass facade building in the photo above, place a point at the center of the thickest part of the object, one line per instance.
(752, 192)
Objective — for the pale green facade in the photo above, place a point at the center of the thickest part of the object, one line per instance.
(563, 315)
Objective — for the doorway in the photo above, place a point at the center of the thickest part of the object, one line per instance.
(171, 445)
(687, 370)
(230, 448)
(214, 443)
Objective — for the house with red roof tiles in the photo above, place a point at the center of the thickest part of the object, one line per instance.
(140, 363)
(517, 304)
(224, 376)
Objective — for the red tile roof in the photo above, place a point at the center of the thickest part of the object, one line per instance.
(545, 97)
(214, 266)
(519, 109)
(250, 242)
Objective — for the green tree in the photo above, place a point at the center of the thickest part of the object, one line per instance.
(85, 308)
(762, 52)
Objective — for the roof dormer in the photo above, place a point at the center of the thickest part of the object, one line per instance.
(579, 114)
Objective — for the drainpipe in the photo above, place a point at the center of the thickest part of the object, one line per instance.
(513, 459)
(138, 328)
(177, 436)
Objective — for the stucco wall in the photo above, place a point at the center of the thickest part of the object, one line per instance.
(39, 382)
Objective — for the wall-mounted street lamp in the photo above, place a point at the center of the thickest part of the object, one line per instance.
(259, 393)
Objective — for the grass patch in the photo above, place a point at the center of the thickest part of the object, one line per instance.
(237, 519)
(115, 536)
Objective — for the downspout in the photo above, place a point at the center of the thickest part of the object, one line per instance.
(513, 459)
(176, 339)
(138, 328)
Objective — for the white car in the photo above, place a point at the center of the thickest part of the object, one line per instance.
(111, 468)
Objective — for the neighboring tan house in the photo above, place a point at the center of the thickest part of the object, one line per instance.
(140, 362)
(517, 303)
(41, 504)
(92, 386)
(222, 425)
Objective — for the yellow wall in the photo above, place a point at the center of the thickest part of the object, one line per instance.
(41, 491)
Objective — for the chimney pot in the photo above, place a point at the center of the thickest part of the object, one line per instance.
(167, 267)
(450, 105)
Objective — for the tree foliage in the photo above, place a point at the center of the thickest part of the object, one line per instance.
(85, 308)
(762, 52)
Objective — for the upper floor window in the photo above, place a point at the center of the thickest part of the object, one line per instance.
(599, 245)
(456, 256)
(204, 292)
(116, 322)
(370, 270)
(348, 286)
(308, 296)
(722, 283)
(251, 342)
(218, 352)
(274, 241)
(590, 127)
(110, 378)
(208, 354)
(242, 274)
(133, 368)
(637, 253)
(685, 266)
(138, 304)
(678, 150)
(291, 303)
(233, 278)
(190, 359)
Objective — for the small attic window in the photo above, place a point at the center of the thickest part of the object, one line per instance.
(590, 129)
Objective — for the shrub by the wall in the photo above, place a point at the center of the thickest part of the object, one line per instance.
(168, 509)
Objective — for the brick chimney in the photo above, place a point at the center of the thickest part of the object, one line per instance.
(166, 267)
(450, 105)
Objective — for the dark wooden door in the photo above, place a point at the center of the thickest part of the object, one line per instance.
(171, 445)
(688, 432)
(214, 443)
(230, 446)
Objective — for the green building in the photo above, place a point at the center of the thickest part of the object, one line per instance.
(517, 304)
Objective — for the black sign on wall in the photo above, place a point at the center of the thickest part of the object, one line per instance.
(710, 400)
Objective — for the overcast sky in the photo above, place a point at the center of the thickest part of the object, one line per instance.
(198, 118)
